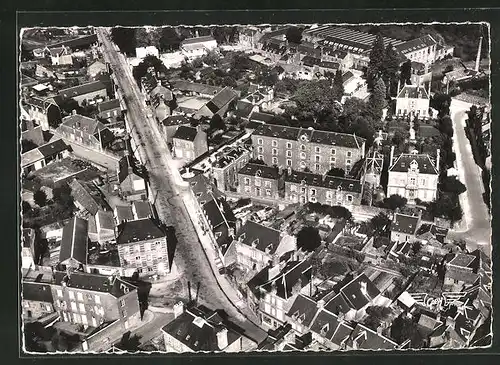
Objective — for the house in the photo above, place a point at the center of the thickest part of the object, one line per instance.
(135, 211)
(87, 196)
(422, 49)
(196, 47)
(85, 92)
(259, 117)
(110, 109)
(461, 270)
(219, 104)
(227, 165)
(28, 255)
(170, 124)
(132, 184)
(329, 329)
(302, 187)
(257, 245)
(248, 36)
(404, 228)
(102, 227)
(256, 181)
(142, 248)
(364, 338)
(59, 55)
(93, 299)
(42, 156)
(301, 314)
(43, 71)
(73, 252)
(37, 300)
(243, 109)
(31, 130)
(189, 143)
(413, 99)
(420, 73)
(443, 51)
(142, 52)
(413, 175)
(198, 328)
(272, 291)
(299, 148)
(85, 131)
(277, 339)
(195, 89)
(44, 111)
(96, 67)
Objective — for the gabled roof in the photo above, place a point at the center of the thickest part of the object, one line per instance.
(261, 117)
(124, 213)
(138, 231)
(39, 292)
(203, 190)
(243, 109)
(174, 120)
(40, 103)
(74, 241)
(263, 171)
(88, 196)
(422, 162)
(202, 39)
(30, 157)
(338, 304)
(104, 220)
(416, 44)
(126, 168)
(83, 123)
(52, 148)
(303, 310)
(197, 329)
(186, 133)
(331, 327)
(83, 89)
(264, 238)
(325, 181)
(94, 282)
(141, 209)
(108, 105)
(413, 92)
(359, 292)
(187, 86)
(365, 338)
(462, 260)
(224, 97)
(404, 223)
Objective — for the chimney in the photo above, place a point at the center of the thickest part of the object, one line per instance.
(178, 309)
(73, 112)
(197, 34)
(363, 288)
(222, 341)
(320, 303)
(392, 155)
(450, 321)
(437, 159)
(478, 58)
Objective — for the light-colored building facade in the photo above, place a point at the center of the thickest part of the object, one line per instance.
(189, 143)
(225, 169)
(413, 99)
(258, 181)
(44, 111)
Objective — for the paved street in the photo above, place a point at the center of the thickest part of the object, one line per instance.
(190, 256)
(476, 215)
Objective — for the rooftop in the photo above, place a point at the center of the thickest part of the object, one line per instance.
(326, 181)
(174, 120)
(263, 171)
(108, 105)
(263, 238)
(420, 162)
(83, 123)
(94, 282)
(137, 231)
(413, 92)
(74, 241)
(197, 40)
(359, 292)
(416, 44)
(186, 133)
(404, 223)
(39, 292)
(303, 310)
(82, 89)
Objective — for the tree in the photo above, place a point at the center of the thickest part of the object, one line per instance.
(62, 195)
(294, 35)
(377, 99)
(390, 68)
(394, 202)
(211, 58)
(336, 171)
(224, 35)
(380, 223)
(308, 239)
(141, 69)
(338, 83)
(26, 207)
(124, 38)
(376, 314)
(129, 342)
(27, 145)
(416, 247)
(375, 66)
(40, 198)
(169, 39)
(216, 123)
(405, 73)
(441, 102)
(315, 101)
(404, 328)
(451, 184)
(147, 36)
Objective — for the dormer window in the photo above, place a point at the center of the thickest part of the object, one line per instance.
(242, 236)
(302, 147)
(255, 242)
(325, 329)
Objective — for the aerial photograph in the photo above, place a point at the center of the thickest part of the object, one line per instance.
(254, 188)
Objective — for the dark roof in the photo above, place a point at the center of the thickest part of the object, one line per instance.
(422, 162)
(413, 92)
(108, 105)
(223, 97)
(243, 109)
(261, 117)
(105, 136)
(311, 61)
(207, 38)
(197, 329)
(186, 133)
(124, 212)
(83, 123)
(347, 76)
(329, 64)
(264, 238)
(438, 232)
(355, 293)
(315, 136)
(52, 148)
(329, 326)
(416, 44)
(174, 120)
(88, 196)
(137, 231)
(40, 103)
(142, 209)
(83, 89)
(326, 181)
(188, 86)
(462, 260)
(263, 171)
(203, 189)
(404, 223)
(338, 305)
(38, 292)
(365, 338)
(94, 282)
(74, 241)
(125, 168)
(303, 310)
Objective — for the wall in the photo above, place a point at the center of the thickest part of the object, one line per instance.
(295, 193)
(33, 309)
(152, 256)
(174, 345)
(79, 99)
(426, 185)
(419, 106)
(248, 256)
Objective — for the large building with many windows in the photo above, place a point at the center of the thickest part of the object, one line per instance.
(298, 148)
(259, 181)
(304, 187)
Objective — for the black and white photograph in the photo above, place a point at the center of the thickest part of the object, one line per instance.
(254, 188)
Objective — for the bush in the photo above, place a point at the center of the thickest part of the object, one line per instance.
(308, 239)
(394, 202)
(40, 198)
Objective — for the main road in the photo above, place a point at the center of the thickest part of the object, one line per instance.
(164, 183)
(476, 216)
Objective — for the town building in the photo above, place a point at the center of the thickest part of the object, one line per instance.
(85, 131)
(87, 197)
(42, 156)
(188, 88)
(303, 187)
(74, 244)
(31, 130)
(219, 104)
(189, 143)
(85, 92)
(132, 185)
(196, 47)
(299, 148)
(227, 165)
(95, 68)
(44, 111)
(110, 109)
(59, 55)
(102, 228)
(259, 181)
(198, 328)
(413, 99)
(444, 51)
(404, 228)
(365, 338)
(37, 300)
(142, 248)
(170, 124)
(92, 299)
(257, 245)
(28, 255)
(248, 36)
(420, 73)
(461, 270)
(422, 49)
(135, 211)
(413, 176)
